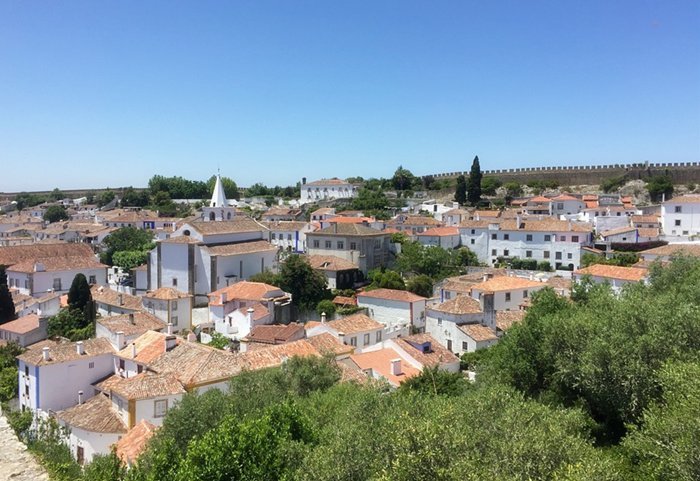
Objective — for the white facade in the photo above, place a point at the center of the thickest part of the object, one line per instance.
(327, 189)
(91, 442)
(395, 314)
(40, 282)
(680, 218)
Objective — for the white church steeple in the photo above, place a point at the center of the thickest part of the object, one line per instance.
(218, 208)
(218, 197)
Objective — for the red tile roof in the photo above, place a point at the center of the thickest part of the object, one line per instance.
(634, 274)
(22, 325)
(391, 294)
(132, 444)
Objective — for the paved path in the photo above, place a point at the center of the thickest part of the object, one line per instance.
(16, 463)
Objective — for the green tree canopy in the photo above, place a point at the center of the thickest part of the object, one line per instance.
(307, 286)
(660, 186)
(461, 190)
(133, 198)
(7, 305)
(385, 279)
(489, 185)
(55, 213)
(421, 285)
(403, 179)
(105, 198)
(79, 295)
(125, 239)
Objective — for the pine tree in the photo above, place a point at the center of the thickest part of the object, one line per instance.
(7, 305)
(461, 192)
(474, 184)
(80, 298)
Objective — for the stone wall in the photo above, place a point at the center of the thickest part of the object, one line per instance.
(680, 172)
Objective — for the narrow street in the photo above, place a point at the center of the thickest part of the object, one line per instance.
(16, 463)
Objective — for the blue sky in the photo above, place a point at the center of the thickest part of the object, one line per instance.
(96, 94)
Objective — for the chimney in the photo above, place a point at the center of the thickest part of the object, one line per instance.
(170, 342)
(46, 353)
(133, 350)
(489, 308)
(131, 318)
(120, 297)
(80, 397)
(191, 337)
(250, 312)
(121, 342)
(224, 297)
(396, 367)
(323, 318)
(487, 276)
(79, 348)
(518, 221)
(170, 329)
(335, 227)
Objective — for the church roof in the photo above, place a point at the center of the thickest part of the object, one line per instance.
(218, 197)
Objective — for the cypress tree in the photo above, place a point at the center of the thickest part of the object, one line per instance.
(474, 184)
(461, 192)
(7, 305)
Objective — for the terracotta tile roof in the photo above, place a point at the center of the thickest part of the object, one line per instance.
(166, 294)
(478, 224)
(684, 199)
(13, 254)
(22, 325)
(324, 211)
(272, 211)
(558, 282)
(346, 230)
(459, 305)
(355, 323)
(247, 291)
(143, 386)
(563, 197)
(241, 248)
(238, 225)
(183, 239)
(648, 232)
(333, 181)
(352, 374)
(275, 355)
(391, 294)
(506, 319)
(149, 347)
(132, 324)
(328, 343)
(486, 213)
(478, 332)
(506, 283)
(67, 352)
(379, 361)
(259, 311)
(417, 220)
(95, 415)
(331, 263)
(105, 295)
(651, 219)
(132, 444)
(614, 272)
(440, 232)
(195, 364)
(591, 204)
(286, 225)
(134, 216)
(52, 264)
(340, 219)
(539, 200)
(275, 333)
(545, 225)
(344, 301)
(436, 356)
(619, 230)
(674, 249)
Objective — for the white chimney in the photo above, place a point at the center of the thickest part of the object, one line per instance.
(121, 341)
(191, 337)
(250, 312)
(79, 348)
(170, 342)
(133, 350)
(80, 397)
(323, 318)
(46, 353)
(131, 318)
(120, 297)
(224, 297)
(396, 367)
(170, 329)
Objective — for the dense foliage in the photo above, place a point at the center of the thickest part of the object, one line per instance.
(55, 213)
(624, 259)
(434, 261)
(8, 370)
(474, 183)
(135, 241)
(7, 305)
(660, 186)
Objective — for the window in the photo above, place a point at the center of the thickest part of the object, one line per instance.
(528, 237)
(121, 364)
(379, 336)
(57, 283)
(353, 246)
(574, 238)
(93, 280)
(473, 231)
(472, 241)
(677, 224)
(449, 344)
(507, 296)
(353, 341)
(506, 236)
(557, 256)
(465, 346)
(560, 205)
(493, 252)
(328, 244)
(289, 237)
(525, 294)
(569, 255)
(174, 281)
(273, 236)
(506, 252)
(366, 339)
(26, 371)
(546, 254)
(494, 236)
(677, 209)
(341, 245)
(528, 253)
(316, 244)
(562, 238)
(160, 407)
(439, 321)
(173, 320)
(80, 455)
(547, 238)
(91, 365)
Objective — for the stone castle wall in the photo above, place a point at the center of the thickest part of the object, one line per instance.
(680, 172)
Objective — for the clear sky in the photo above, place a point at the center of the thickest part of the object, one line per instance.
(99, 93)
